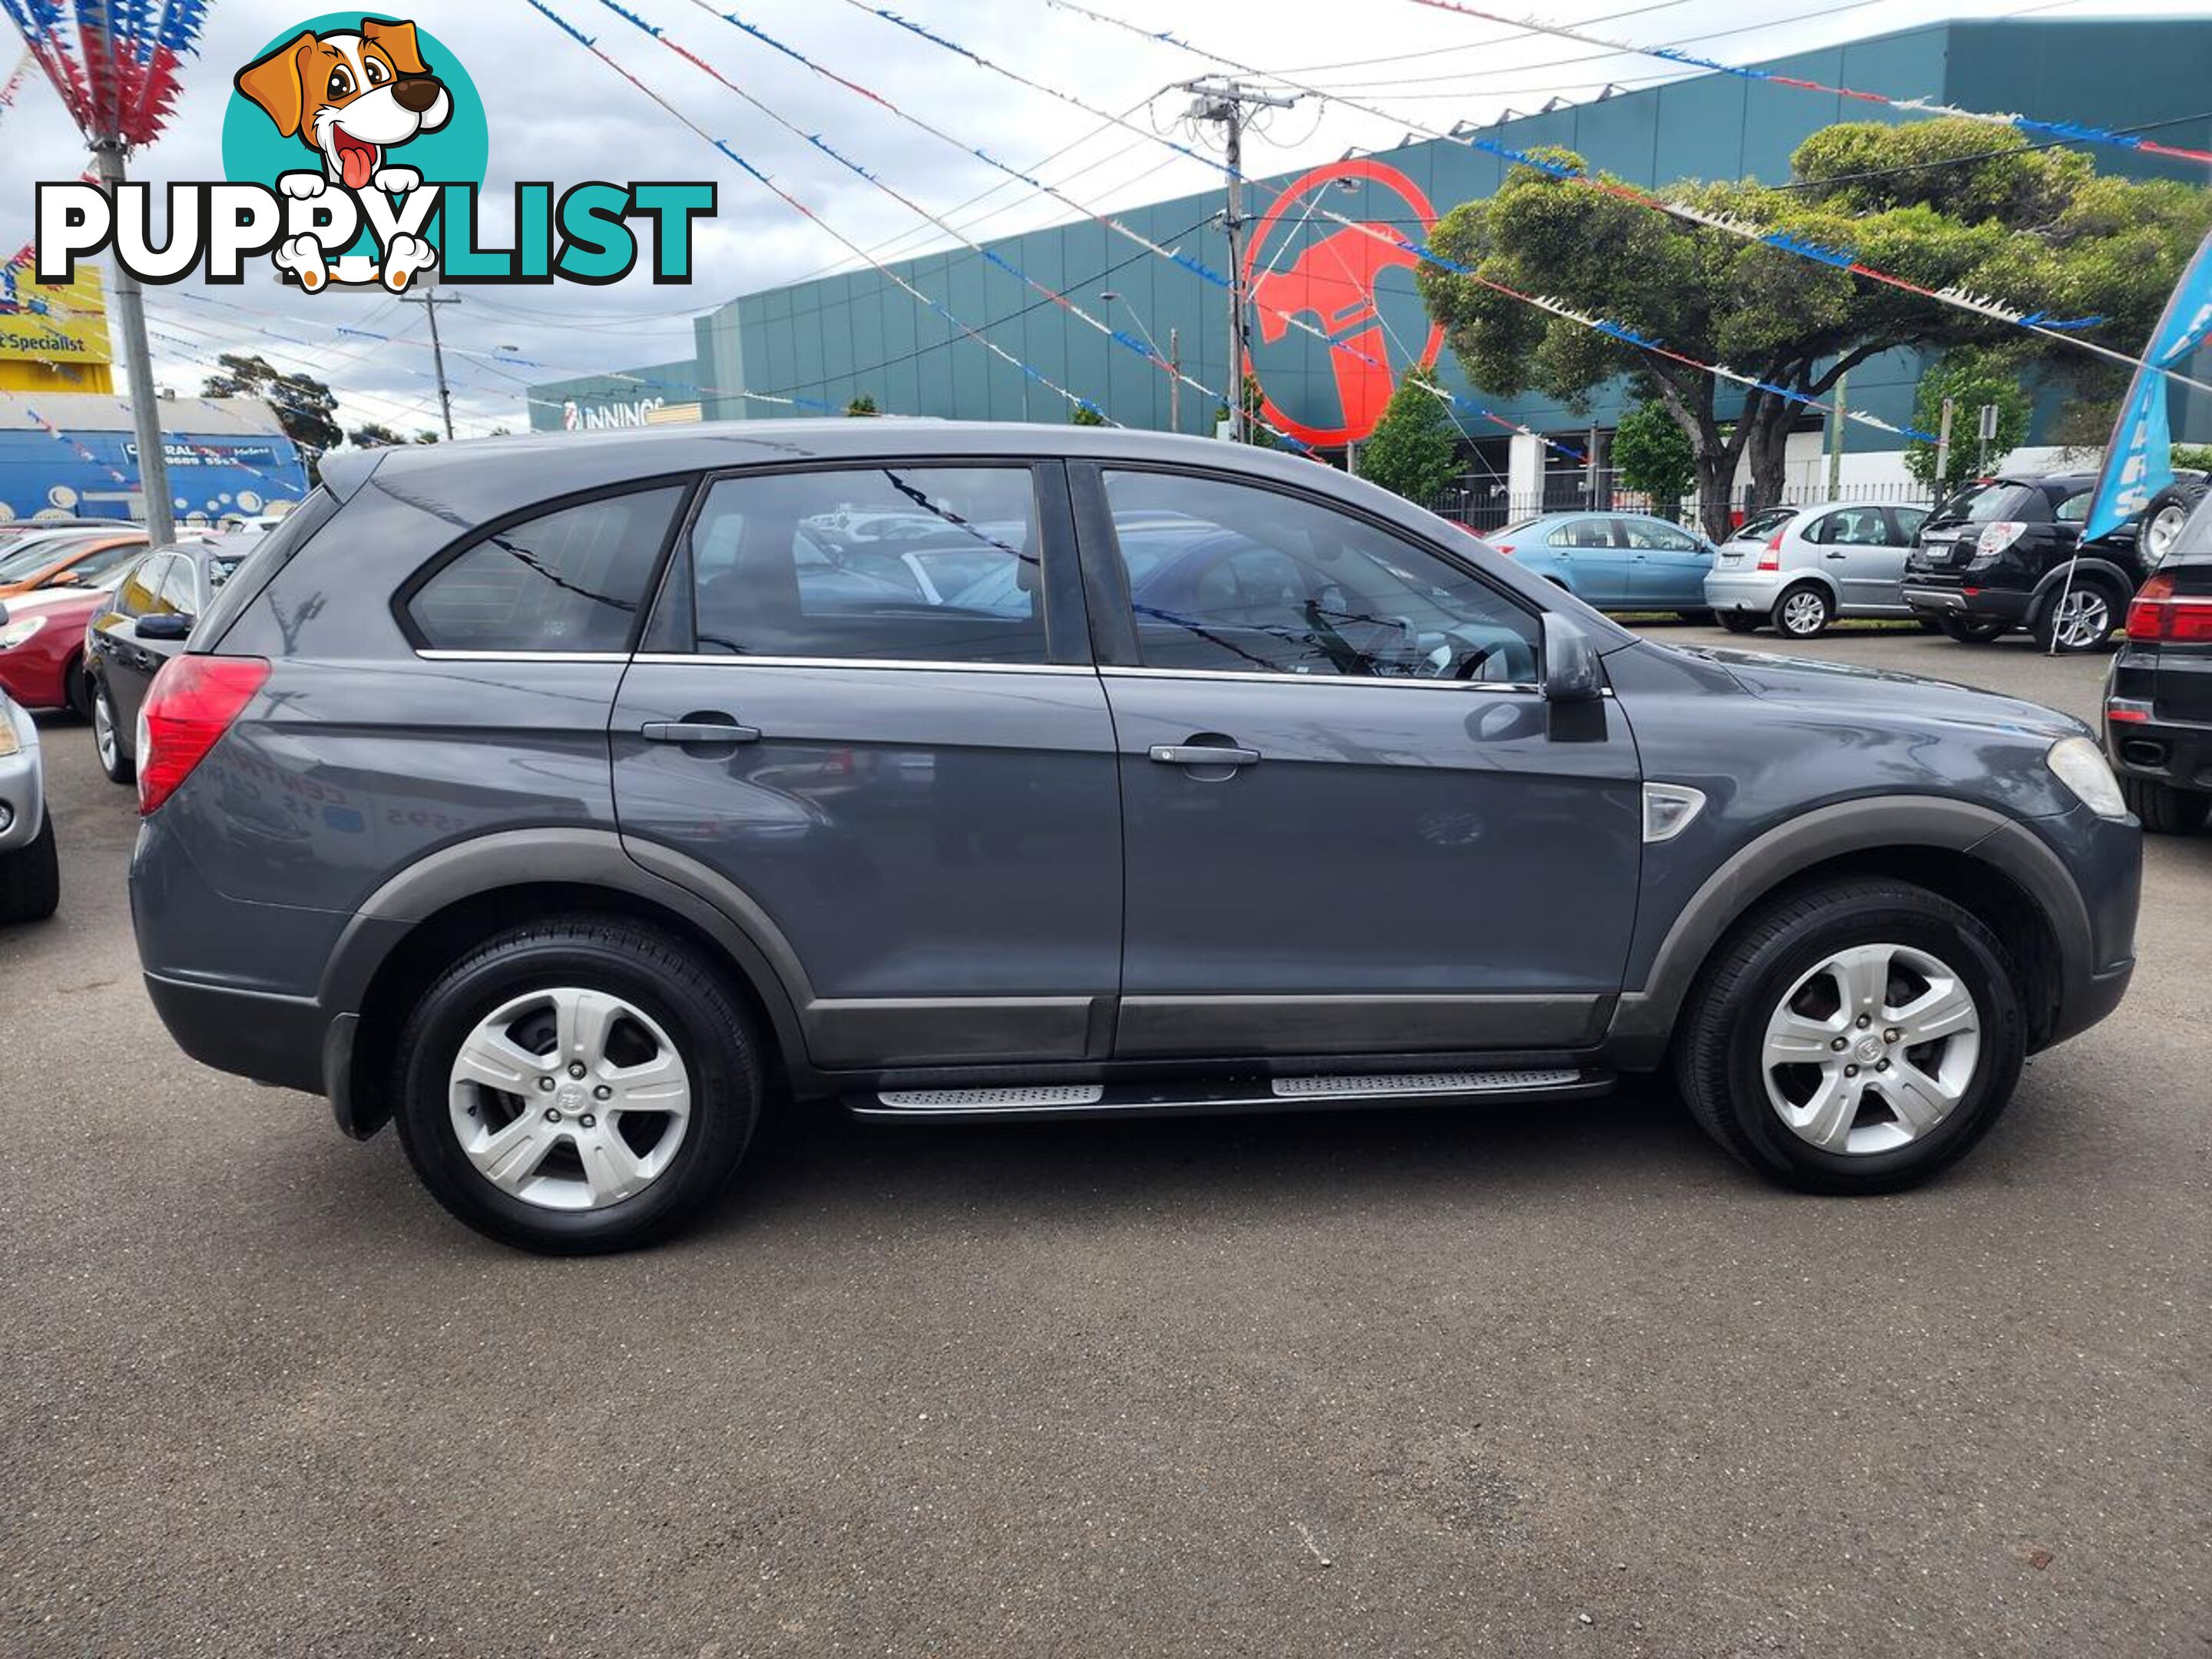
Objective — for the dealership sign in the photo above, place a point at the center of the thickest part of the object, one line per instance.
(1353, 282)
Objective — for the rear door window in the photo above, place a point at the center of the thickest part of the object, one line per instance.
(923, 563)
(569, 580)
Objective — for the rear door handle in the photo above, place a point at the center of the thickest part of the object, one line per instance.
(699, 731)
(1836, 556)
(1203, 753)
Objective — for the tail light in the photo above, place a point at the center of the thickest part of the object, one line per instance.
(2162, 616)
(1772, 559)
(190, 704)
(1996, 538)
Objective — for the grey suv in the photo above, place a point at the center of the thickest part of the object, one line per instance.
(564, 799)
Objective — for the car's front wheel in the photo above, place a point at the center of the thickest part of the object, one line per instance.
(1802, 612)
(2165, 810)
(1855, 1037)
(107, 736)
(579, 1085)
(31, 879)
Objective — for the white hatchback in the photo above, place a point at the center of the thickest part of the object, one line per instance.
(1800, 567)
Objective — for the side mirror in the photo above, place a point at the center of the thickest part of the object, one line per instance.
(1574, 682)
(165, 625)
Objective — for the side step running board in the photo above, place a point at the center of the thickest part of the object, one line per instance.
(1246, 1094)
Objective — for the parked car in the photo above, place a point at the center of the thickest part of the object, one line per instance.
(472, 805)
(146, 623)
(2158, 696)
(12, 529)
(30, 869)
(1614, 561)
(2002, 554)
(42, 643)
(1799, 568)
(64, 558)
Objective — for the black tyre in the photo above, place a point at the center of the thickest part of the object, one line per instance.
(1967, 630)
(1922, 999)
(2162, 520)
(1802, 612)
(582, 1085)
(108, 742)
(2165, 810)
(1929, 624)
(1738, 622)
(1696, 618)
(2078, 617)
(31, 879)
(77, 686)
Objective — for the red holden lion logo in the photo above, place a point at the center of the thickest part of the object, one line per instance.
(1301, 265)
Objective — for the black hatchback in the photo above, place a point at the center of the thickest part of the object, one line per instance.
(151, 617)
(2157, 698)
(2007, 552)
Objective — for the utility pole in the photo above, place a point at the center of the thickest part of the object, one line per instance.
(138, 372)
(1215, 98)
(432, 300)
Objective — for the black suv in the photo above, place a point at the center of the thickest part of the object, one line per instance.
(1999, 555)
(564, 798)
(2158, 697)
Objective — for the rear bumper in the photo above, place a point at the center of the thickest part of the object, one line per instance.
(1745, 591)
(2162, 751)
(276, 1040)
(2003, 604)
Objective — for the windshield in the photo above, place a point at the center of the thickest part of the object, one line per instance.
(1990, 501)
(1763, 523)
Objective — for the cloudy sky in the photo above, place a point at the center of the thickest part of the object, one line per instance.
(558, 113)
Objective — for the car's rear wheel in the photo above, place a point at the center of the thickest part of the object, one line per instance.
(1696, 618)
(1968, 631)
(2076, 618)
(2165, 810)
(1853, 1038)
(1802, 611)
(1738, 622)
(107, 736)
(77, 686)
(579, 1085)
(31, 879)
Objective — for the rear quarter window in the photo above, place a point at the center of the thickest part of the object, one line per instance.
(245, 584)
(572, 580)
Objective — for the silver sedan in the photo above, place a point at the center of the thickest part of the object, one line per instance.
(30, 874)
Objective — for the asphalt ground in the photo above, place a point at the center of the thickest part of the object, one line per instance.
(1476, 1380)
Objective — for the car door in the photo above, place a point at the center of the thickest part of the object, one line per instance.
(1858, 553)
(127, 663)
(918, 800)
(1596, 565)
(1667, 565)
(1345, 828)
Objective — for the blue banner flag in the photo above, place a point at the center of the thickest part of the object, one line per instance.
(2139, 460)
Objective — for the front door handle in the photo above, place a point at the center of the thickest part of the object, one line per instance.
(699, 731)
(1203, 753)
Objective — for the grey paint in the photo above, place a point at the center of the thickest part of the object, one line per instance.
(921, 868)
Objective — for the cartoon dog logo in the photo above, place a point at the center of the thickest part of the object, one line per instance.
(351, 96)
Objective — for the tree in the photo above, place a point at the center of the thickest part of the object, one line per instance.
(1942, 202)
(1255, 433)
(1653, 455)
(305, 408)
(426, 435)
(1086, 415)
(1969, 378)
(1414, 448)
(863, 404)
(372, 436)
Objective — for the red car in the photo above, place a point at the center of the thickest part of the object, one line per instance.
(42, 644)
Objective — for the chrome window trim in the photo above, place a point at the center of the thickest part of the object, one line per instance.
(1406, 682)
(912, 665)
(430, 655)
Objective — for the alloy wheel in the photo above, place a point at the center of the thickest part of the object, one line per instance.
(1871, 1049)
(2083, 618)
(569, 1098)
(103, 728)
(2159, 532)
(1804, 613)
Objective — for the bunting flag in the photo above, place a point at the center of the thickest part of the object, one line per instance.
(2139, 460)
(2067, 131)
(114, 63)
(68, 442)
(12, 88)
(2064, 330)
